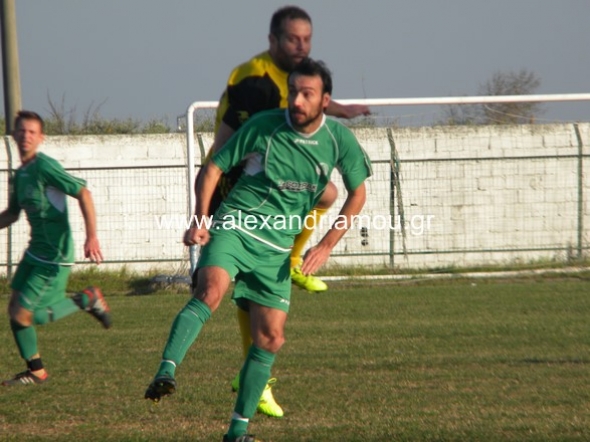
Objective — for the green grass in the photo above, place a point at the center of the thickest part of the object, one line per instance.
(453, 360)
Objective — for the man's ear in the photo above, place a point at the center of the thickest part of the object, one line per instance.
(272, 42)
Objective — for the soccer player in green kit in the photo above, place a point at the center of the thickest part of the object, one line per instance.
(290, 155)
(39, 188)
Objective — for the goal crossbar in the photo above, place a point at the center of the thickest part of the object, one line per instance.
(190, 142)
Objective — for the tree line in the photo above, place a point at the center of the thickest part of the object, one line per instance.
(61, 120)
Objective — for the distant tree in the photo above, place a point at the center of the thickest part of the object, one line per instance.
(203, 121)
(523, 82)
(64, 121)
(461, 114)
(155, 127)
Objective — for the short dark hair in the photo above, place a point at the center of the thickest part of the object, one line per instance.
(286, 12)
(28, 115)
(310, 67)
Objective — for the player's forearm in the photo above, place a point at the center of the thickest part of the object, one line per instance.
(86, 204)
(205, 187)
(338, 110)
(352, 206)
(7, 218)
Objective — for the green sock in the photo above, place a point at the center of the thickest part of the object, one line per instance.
(253, 378)
(237, 427)
(26, 340)
(55, 312)
(185, 329)
(167, 368)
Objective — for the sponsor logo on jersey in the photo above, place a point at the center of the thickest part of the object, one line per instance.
(297, 186)
(243, 116)
(303, 141)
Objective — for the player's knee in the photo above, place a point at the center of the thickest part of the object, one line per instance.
(209, 292)
(19, 315)
(270, 342)
(211, 296)
(277, 343)
(211, 284)
(329, 196)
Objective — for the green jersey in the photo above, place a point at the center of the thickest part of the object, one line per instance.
(285, 173)
(40, 188)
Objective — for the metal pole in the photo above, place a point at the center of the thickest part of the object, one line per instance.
(467, 100)
(191, 174)
(580, 173)
(392, 188)
(190, 153)
(10, 66)
(9, 229)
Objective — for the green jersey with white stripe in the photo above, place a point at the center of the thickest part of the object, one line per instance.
(285, 173)
(40, 188)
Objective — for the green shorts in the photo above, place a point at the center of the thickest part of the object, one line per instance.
(262, 274)
(40, 284)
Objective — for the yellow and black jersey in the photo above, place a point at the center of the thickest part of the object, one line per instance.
(256, 85)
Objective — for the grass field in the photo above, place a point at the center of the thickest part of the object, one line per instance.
(454, 360)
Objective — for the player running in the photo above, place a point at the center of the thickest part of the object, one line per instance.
(39, 188)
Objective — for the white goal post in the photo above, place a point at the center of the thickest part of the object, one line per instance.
(197, 105)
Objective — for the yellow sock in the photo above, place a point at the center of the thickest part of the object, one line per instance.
(244, 321)
(303, 237)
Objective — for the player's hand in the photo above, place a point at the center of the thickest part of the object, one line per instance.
(356, 110)
(315, 257)
(92, 250)
(196, 236)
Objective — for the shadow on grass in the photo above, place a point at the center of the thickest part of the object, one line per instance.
(160, 283)
(125, 283)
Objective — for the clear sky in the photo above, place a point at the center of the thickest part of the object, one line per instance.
(148, 59)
